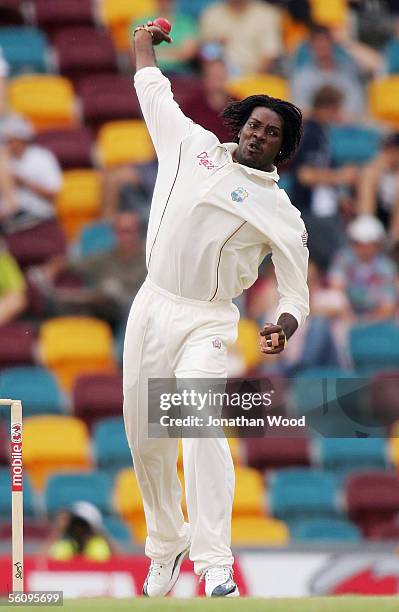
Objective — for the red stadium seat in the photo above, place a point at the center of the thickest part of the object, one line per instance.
(84, 50)
(73, 148)
(36, 245)
(184, 87)
(271, 453)
(17, 344)
(372, 498)
(97, 396)
(52, 16)
(385, 531)
(384, 389)
(107, 97)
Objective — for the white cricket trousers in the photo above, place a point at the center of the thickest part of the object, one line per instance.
(168, 336)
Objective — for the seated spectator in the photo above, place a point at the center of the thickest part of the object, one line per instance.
(30, 179)
(327, 69)
(109, 280)
(12, 287)
(249, 30)
(364, 273)
(127, 182)
(205, 108)
(175, 58)
(318, 189)
(379, 186)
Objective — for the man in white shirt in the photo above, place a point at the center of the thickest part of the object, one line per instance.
(216, 212)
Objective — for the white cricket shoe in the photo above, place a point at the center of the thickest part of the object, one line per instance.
(219, 582)
(162, 577)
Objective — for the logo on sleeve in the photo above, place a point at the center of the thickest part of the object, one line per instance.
(205, 161)
(304, 238)
(239, 194)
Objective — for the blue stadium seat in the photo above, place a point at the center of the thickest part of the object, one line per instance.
(346, 454)
(302, 493)
(65, 489)
(96, 238)
(392, 56)
(5, 496)
(353, 144)
(375, 347)
(118, 530)
(194, 8)
(25, 49)
(35, 386)
(325, 529)
(111, 450)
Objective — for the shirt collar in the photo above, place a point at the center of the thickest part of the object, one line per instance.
(230, 147)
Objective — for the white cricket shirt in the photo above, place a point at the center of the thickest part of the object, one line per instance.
(212, 220)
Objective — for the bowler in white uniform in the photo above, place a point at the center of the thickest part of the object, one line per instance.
(216, 212)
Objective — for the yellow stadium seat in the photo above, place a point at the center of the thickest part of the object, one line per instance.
(128, 502)
(384, 99)
(79, 201)
(249, 492)
(47, 101)
(124, 142)
(393, 444)
(54, 444)
(294, 32)
(71, 346)
(329, 13)
(117, 15)
(268, 84)
(258, 531)
(248, 343)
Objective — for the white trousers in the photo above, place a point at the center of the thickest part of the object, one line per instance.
(168, 336)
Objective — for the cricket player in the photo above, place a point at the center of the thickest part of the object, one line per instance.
(216, 212)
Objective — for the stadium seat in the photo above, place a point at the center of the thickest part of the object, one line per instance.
(72, 147)
(393, 443)
(72, 346)
(117, 15)
(194, 8)
(79, 201)
(111, 450)
(25, 49)
(36, 245)
(353, 144)
(54, 444)
(17, 344)
(271, 453)
(384, 99)
(184, 87)
(118, 531)
(124, 142)
(269, 84)
(249, 492)
(294, 32)
(128, 502)
(26, 95)
(331, 14)
(258, 531)
(84, 50)
(97, 396)
(325, 529)
(30, 509)
(348, 454)
(35, 386)
(371, 498)
(374, 346)
(108, 97)
(96, 237)
(247, 343)
(384, 392)
(302, 493)
(392, 56)
(386, 530)
(52, 16)
(65, 489)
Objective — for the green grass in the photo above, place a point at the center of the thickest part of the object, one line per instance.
(306, 604)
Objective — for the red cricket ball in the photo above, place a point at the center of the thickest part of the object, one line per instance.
(163, 23)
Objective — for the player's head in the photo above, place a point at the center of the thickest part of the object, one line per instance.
(268, 130)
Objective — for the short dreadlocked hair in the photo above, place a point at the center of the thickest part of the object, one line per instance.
(236, 114)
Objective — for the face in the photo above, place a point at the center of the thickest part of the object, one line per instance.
(322, 47)
(392, 156)
(16, 146)
(366, 250)
(260, 139)
(127, 229)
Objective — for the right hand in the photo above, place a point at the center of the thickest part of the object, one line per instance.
(159, 35)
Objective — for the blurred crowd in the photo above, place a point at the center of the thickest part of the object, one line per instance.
(349, 199)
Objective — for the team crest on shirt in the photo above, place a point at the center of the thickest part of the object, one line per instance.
(239, 194)
(216, 343)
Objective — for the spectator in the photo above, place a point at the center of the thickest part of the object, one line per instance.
(110, 280)
(364, 273)
(379, 186)
(317, 188)
(12, 287)
(205, 107)
(326, 69)
(176, 58)
(30, 180)
(250, 32)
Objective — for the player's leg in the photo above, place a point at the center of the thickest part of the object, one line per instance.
(154, 459)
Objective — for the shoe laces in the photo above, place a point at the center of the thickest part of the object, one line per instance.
(218, 574)
(155, 568)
